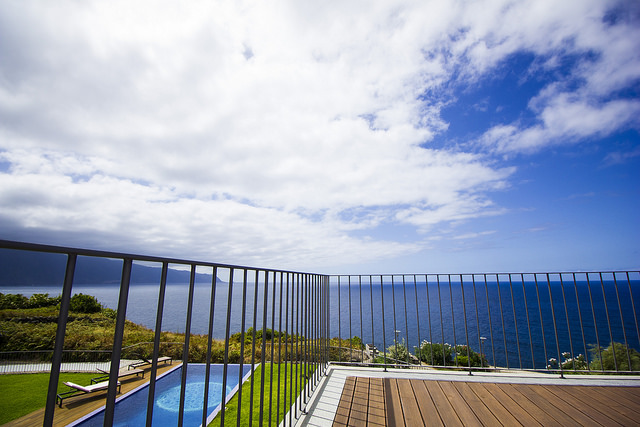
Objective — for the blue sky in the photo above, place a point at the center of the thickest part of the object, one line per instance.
(342, 137)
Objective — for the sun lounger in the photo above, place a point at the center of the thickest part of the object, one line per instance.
(121, 373)
(80, 390)
(143, 362)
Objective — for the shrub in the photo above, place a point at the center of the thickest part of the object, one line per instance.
(81, 303)
(398, 351)
(603, 358)
(435, 353)
(10, 301)
(463, 353)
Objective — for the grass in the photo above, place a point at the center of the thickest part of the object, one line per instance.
(231, 411)
(25, 393)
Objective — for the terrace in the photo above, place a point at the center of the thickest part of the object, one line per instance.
(397, 348)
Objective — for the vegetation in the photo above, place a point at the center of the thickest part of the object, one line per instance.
(270, 396)
(603, 358)
(29, 392)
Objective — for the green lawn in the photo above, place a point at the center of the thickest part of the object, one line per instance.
(25, 393)
(231, 411)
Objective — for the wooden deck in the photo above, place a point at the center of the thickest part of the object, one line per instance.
(416, 402)
(79, 406)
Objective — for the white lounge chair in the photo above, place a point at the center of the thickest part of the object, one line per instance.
(121, 373)
(80, 390)
(143, 362)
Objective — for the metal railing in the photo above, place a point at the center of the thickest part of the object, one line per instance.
(294, 302)
(554, 322)
(301, 322)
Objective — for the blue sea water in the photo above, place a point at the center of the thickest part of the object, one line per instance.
(526, 316)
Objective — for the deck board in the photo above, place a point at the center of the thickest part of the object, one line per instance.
(415, 402)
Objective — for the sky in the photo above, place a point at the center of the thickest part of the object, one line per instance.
(334, 137)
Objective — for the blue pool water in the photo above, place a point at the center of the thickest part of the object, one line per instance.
(132, 410)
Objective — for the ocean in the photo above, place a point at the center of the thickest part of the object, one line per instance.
(582, 314)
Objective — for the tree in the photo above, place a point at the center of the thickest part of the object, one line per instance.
(603, 358)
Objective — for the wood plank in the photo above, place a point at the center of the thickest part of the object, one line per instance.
(503, 406)
(393, 407)
(625, 400)
(480, 407)
(445, 410)
(542, 401)
(430, 416)
(360, 403)
(376, 415)
(528, 406)
(461, 407)
(583, 414)
(410, 410)
(344, 405)
(590, 401)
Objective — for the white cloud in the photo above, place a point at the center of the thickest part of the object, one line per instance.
(270, 132)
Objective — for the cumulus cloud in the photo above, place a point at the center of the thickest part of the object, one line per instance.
(268, 133)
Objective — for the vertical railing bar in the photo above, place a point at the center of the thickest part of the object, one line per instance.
(253, 344)
(373, 339)
(633, 306)
(273, 332)
(624, 331)
(566, 313)
(426, 280)
(466, 330)
(263, 344)
(185, 349)
(444, 358)
(156, 343)
(584, 341)
(54, 376)
(544, 338)
(515, 321)
(475, 303)
(504, 333)
(526, 309)
(307, 331)
(350, 331)
(225, 366)
(384, 332)
(242, 324)
(395, 327)
(406, 322)
(361, 326)
(339, 324)
(606, 311)
(279, 348)
(298, 345)
(555, 328)
(595, 324)
(415, 288)
(117, 342)
(453, 320)
(493, 347)
(287, 354)
(212, 304)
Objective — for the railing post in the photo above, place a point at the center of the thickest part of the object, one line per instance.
(117, 342)
(59, 342)
(156, 343)
(185, 349)
(207, 372)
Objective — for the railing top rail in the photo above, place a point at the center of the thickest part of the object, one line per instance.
(518, 273)
(37, 247)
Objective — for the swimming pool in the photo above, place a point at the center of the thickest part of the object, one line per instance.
(131, 410)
